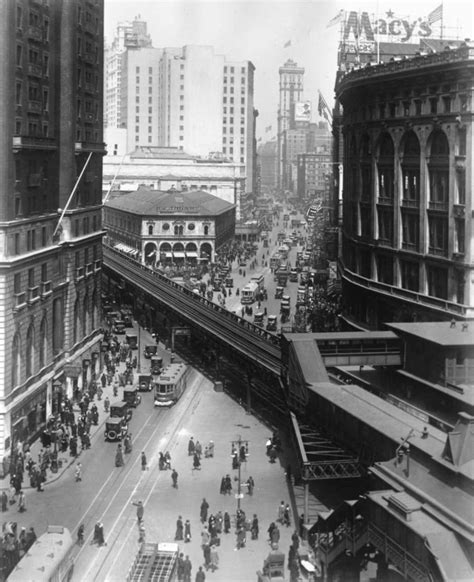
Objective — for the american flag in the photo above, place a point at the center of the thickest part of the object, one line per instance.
(436, 15)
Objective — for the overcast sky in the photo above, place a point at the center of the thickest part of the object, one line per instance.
(257, 30)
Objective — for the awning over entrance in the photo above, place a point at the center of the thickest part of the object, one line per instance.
(168, 255)
(191, 254)
(178, 254)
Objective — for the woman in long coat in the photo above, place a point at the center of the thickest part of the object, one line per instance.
(119, 456)
(187, 531)
(179, 529)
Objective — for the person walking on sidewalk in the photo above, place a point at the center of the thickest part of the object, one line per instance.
(179, 529)
(21, 502)
(191, 447)
(187, 567)
(187, 531)
(204, 508)
(200, 576)
(78, 472)
(174, 478)
(144, 461)
(180, 567)
(226, 522)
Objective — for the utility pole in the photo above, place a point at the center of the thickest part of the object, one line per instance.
(241, 448)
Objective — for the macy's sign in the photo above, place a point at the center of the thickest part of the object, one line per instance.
(359, 27)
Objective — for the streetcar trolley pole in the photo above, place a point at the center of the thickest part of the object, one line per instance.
(241, 448)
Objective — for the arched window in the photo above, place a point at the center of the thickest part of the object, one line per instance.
(150, 229)
(439, 172)
(206, 230)
(411, 192)
(43, 345)
(30, 351)
(16, 361)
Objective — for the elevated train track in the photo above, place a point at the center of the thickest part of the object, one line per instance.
(241, 336)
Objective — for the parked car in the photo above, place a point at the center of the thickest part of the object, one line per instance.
(145, 383)
(272, 323)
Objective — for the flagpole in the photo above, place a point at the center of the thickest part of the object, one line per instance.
(442, 16)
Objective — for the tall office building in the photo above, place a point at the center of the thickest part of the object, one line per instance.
(128, 35)
(50, 131)
(291, 91)
(186, 97)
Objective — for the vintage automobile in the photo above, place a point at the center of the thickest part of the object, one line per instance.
(118, 326)
(144, 383)
(278, 292)
(150, 350)
(116, 428)
(132, 340)
(121, 410)
(229, 282)
(131, 396)
(272, 323)
(258, 318)
(156, 365)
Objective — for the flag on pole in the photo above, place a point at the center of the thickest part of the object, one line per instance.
(339, 16)
(323, 108)
(436, 15)
(287, 44)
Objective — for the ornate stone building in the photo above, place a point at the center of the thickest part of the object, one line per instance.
(51, 151)
(169, 227)
(407, 241)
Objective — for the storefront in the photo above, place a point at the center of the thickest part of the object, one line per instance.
(29, 417)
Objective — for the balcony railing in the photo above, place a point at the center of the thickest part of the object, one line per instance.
(89, 269)
(35, 32)
(437, 252)
(34, 180)
(426, 301)
(385, 200)
(409, 246)
(410, 203)
(35, 70)
(97, 265)
(439, 205)
(34, 106)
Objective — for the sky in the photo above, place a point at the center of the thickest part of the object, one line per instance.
(258, 30)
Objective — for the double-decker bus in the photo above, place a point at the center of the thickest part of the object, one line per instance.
(171, 384)
(275, 260)
(49, 558)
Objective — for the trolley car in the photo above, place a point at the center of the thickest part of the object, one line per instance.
(49, 558)
(171, 384)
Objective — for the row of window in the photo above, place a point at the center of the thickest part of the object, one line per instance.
(38, 61)
(412, 107)
(438, 231)
(231, 100)
(231, 90)
(232, 70)
(231, 80)
(30, 353)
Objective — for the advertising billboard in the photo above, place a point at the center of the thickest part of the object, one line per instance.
(303, 111)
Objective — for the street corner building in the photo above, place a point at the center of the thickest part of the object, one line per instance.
(51, 152)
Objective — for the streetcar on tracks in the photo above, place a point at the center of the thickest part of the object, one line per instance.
(171, 384)
(49, 558)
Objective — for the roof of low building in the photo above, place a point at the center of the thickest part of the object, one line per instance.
(156, 202)
(442, 333)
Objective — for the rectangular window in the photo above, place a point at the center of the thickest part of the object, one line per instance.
(438, 236)
(19, 54)
(411, 229)
(31, 277)
(446, 104)
(459, 236)
(410, 275)
(437, 282)
(44, 272)
(17, 283)
(17, 243)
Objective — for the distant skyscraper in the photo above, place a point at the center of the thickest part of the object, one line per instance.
(291, 91)
(50, 283)
(186, 97)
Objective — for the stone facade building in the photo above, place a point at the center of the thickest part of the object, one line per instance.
(170, 227)
(50, 136)
(407, 241)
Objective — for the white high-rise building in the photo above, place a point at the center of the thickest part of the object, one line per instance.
(188, 97)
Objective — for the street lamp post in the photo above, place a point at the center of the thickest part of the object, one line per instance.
(139, 349)
(240, 447)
